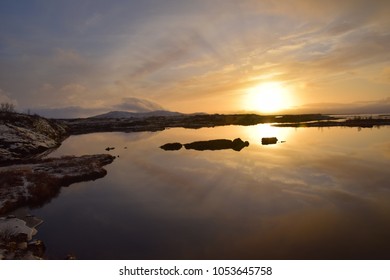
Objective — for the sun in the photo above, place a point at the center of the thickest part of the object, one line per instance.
(268, 97)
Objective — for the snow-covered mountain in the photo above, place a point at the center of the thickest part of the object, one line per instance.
(126, 115)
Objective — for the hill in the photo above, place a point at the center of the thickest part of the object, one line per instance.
(128, 115)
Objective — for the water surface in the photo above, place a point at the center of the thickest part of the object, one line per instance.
(323, 193)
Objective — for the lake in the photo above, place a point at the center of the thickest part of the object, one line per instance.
(316, 194)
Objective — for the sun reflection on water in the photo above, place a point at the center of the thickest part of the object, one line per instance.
(255, 134)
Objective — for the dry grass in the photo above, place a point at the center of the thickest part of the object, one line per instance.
(10, 178)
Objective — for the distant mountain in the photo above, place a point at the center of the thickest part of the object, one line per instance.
(127, 115)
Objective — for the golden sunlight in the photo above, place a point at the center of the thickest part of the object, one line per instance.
(254, 134)
(269, 97)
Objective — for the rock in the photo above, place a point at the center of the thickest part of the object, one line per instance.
(24, 137)
(22, 245)
(218, 144)
(238, 144)
(110, 148)
(21, 237)
(172, 146)
(15, 230)
(37, 247)
(70, 257)
(269, 140)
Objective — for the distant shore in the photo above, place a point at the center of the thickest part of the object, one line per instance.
(360, 122)
(92, 125)
(159, 123)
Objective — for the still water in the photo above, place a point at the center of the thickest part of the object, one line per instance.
(323, 193)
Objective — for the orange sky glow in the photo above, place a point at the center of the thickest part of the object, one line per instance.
(77, 58)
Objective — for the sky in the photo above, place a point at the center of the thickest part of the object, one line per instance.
(77, 58)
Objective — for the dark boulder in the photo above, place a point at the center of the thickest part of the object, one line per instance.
(20, 237)
(171, 146)
(37, 248)
(269, 140)
(238, 144)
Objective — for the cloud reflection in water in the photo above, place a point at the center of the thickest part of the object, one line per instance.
(321, 194)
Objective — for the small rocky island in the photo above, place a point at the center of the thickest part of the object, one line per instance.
(269, 140)
(212, 145)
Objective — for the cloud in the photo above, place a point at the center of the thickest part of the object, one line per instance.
(68, 57)
(66, 112)
(72, 94)
(158, 61)
(189, 54)
(366, 107)
(385, 75)
(130, 104)
(312, 10)
(133, 104)
(5, 98)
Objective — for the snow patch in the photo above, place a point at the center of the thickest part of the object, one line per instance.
(15, 226)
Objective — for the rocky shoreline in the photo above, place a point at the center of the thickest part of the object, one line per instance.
(32, 185)
(25, 137)
(36, 183)
(17, 237)
(27, 179)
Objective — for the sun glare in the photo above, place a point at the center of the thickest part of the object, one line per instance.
(269, 97)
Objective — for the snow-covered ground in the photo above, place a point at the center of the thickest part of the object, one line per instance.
(23, 136)
(16, 237)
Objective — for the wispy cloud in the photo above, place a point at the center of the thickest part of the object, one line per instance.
(363, 107)
(192, 55)
(138, 105)
(130, 104)
(5, 98)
